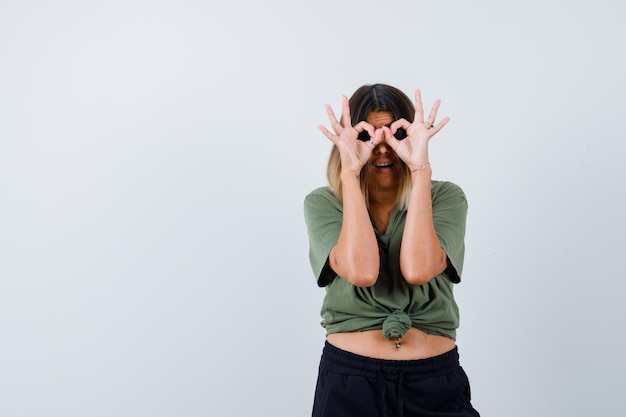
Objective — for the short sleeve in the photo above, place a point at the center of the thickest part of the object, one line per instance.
(323, 215)
(449, 217)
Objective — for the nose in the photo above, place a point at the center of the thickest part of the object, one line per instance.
(382, 147)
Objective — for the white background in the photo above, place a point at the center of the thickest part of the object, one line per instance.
(154, 156)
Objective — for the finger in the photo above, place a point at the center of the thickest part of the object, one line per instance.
(400, 123)
(334, 123)
(389, 137)
(364, 126)
(419, 109)
(345, 109)
(377, 136)
(435, 129)
(327, 133)
(331, 114)
(430, 120)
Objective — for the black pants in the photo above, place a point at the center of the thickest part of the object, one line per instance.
(354, 385)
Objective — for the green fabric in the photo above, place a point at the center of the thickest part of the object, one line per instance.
(391, 304)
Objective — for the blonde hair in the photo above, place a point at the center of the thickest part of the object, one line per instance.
(367, 99)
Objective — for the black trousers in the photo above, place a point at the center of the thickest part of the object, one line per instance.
(353, 385)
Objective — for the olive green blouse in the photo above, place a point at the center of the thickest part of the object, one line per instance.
(391, 304)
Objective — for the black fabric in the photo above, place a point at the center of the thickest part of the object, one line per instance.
(353, 385)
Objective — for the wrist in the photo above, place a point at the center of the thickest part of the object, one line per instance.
(350, 176)
(419, 167)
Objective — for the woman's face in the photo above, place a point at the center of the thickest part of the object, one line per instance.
(383, 167)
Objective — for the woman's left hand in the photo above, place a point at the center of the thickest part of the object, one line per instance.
(413, 149)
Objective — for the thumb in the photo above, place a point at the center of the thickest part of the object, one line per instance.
(389, 138)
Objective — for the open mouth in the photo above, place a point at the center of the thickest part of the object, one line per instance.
(383, 164)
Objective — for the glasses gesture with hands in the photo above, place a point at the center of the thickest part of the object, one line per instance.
(409, 140)
(413, 149)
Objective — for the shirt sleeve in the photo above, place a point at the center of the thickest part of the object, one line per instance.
(449, 217)
(323, 215)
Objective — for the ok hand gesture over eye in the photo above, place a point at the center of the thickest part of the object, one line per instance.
(413, 149)
(354, 152)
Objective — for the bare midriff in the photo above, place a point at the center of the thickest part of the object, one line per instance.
(415, 344)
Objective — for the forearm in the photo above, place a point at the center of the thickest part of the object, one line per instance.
(355, 257)
(421, 255)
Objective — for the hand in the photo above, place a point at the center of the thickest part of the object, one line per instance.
(413, 150)
(354, 153)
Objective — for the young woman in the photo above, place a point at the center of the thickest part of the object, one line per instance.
(387, 243)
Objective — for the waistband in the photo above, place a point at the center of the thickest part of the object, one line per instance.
(371, 367)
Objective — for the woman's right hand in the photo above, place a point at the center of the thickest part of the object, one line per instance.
(354, 152)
